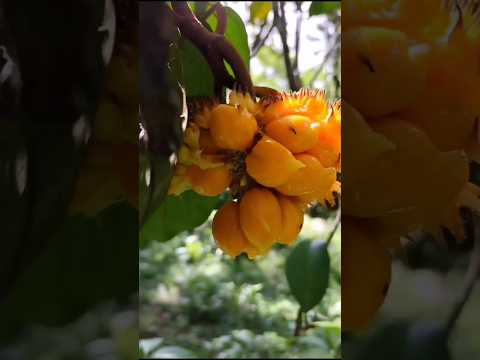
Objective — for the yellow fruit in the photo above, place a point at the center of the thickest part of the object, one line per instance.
(228, 233)
(232, 128)
(368, 12)
(383, 77)
(305, 102)
(207, 144)
(292, 220)
(209, 182)
(296, 132)
(313, 178)
(270, 163)
(260, 218)
(361, 144)
(328, 146)
(366, 273)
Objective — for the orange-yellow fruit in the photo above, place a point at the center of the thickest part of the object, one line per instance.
(207, 144)
(270, 163)
(232, 128)
(329, 146)
(228, 233)
(296, 132)
(209, 182)
(313, 178)
(292, 220)
(366, 273)
(308, 103)
(260, 218)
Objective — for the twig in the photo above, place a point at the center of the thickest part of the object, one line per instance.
(471, 278)
(214, 47)
(258, 44)
(280, 23)
(334, 229)
(297, 34)
(298, 323)
(329, 54)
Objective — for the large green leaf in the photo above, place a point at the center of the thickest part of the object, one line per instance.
(177, 214)
(235, 34)
(198, 77)
(324, 7)
(307, 270)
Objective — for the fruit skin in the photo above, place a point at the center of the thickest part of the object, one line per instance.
(206, 143)
(366, 275)
(260, 218)
(328, 147)
(228, 234)
(296, 132)
(292, 220)
(232, 128)
(375, 60)
(313, 178)
(209, 182)
(270, 163)
(312, 104)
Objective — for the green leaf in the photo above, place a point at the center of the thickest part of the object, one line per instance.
(259, 11)
(177, 214)
(198, 77)
(307, 270)
(173, 352)
(324, 7)
(235, 34)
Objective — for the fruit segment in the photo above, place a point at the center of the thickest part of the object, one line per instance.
(260, 218)
(270, 163)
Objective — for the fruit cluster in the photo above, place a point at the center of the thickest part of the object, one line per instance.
(412, 103)
(276, 155)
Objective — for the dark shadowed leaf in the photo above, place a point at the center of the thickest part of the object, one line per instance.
(308, 270)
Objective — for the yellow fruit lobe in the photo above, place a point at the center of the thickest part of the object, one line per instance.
(207, 144)
(366, 273)
(260, 218)
(305, 102)
(270, 163)
(209, 182)
(292, 220)
(296, 132)
(313, 178)
(232, 128)
(228, 233)
(375, 61)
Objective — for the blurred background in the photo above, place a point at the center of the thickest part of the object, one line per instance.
(196, 302)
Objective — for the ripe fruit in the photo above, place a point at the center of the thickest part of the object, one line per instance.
(378, 59)
(209, 182)
(296, 132)
(328, 147)
(232, 128)
(292, 220)
(308, 103)
(366, 272)
(313, 178)
(228, 146)
(228, 233)
(270, 163)
(207, 144)
(260, 217)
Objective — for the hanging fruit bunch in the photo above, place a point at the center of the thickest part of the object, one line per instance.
(276, 156)
(411, 112)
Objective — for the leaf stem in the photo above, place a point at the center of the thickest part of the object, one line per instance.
(298, 323)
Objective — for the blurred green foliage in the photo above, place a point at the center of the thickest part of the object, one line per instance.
(195, 298)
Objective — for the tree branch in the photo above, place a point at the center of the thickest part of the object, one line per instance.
(259, 42)
(280, 23)
(214, 47)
